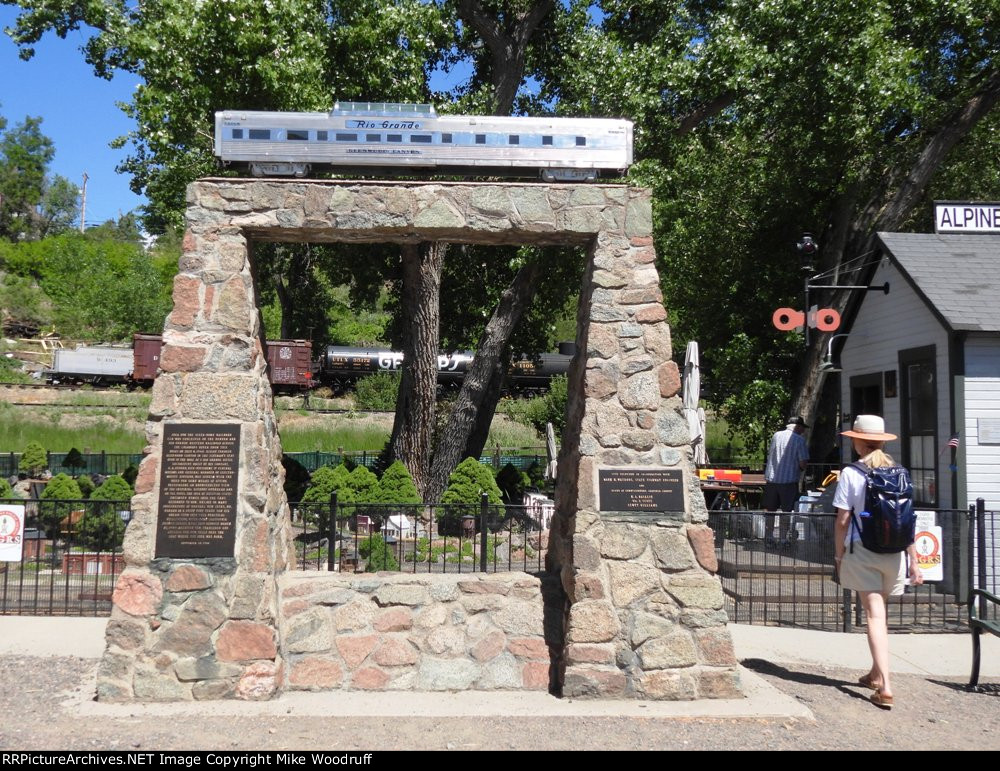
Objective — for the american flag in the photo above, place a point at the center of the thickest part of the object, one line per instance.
(953, 442)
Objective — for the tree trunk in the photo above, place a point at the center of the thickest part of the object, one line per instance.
(413, 428)
(473, 403)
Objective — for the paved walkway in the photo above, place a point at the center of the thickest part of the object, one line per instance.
(943, 655)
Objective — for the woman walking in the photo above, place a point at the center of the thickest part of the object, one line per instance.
(873, 575)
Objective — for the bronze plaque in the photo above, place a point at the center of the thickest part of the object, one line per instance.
(199, 473)
(625, 489)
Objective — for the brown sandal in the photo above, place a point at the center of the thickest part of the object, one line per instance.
(868, 682)
(879, 699)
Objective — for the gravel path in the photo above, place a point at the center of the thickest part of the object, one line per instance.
(41, 703)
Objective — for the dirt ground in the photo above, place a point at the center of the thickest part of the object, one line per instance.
(42, 703)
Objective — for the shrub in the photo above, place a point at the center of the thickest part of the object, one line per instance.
(6, 491)
(130, 474)
(396, 486)
(86, 485)
(34, 460)
(512, 483)
(324, 481)
(115, 488)
(364, 484)
(377, 554)
(377, 392)
(74, 460)
(469, 481)
(50, 511)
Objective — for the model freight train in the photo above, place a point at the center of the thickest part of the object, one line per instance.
(340, 367)
(366, 137)
(291, 368)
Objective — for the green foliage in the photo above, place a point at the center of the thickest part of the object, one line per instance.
(377, 392)
(539, 410)
(99, 288)
(469, 481)
(74, 460)
(102, 528)
(396, 486)
(6, 491)
(378, 554)
(324, 481)
(51, 510)
(34, 460)
(512, 483)
(86, 485)
(114, 488)
(130, 474)
(364, 484)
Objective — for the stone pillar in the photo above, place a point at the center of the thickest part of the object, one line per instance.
(201, 628)
(645, 614)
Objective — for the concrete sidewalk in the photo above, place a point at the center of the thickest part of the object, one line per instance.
(943, 655)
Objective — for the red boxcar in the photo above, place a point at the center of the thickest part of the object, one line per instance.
(145, 357)
(290, 364)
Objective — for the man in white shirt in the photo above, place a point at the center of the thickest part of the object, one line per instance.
(786, 458)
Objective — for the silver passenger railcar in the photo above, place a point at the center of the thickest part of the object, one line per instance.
(367, 137)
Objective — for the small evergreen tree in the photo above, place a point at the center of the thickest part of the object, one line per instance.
(86, 485)
(469, 481)
(364, 484)
(324, 481)
(52, 509)
(396, 486)
(34, 460)
(378, 554)
(102, 528)
(6, 491)
(74, 460)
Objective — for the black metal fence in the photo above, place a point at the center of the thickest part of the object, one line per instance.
(115, 463)
(419, 538)
(60, 557)
(984, 546)
(778, 569)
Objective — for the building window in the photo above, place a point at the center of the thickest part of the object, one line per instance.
(347, 137)
(297, 135)
(260, 133)
(237, 133)
(918, 405)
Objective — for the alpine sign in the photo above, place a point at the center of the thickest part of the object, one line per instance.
(957, 217)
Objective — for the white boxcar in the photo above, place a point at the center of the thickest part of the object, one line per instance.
(91, 364)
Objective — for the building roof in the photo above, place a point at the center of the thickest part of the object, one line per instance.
(958, 275)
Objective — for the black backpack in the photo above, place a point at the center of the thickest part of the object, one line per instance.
(888, 524)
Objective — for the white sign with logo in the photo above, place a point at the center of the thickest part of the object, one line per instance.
(11, 532)
(952, 217)
(930, 555)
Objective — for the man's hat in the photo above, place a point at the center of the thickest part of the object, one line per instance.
(796, 420)
(870, 427)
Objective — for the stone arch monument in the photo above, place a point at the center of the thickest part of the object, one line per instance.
(201, 610)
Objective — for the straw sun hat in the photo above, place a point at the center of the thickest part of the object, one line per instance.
(870, 427)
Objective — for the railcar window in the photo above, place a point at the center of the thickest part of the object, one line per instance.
(480, 139)
(513, 139)
(581, 141)
(546, 140)
(446, 139)
(424, 138)
(260, 133)
(373, 137)
(297, 135)
(237, 133)
(347, 137)
(394, 137)
(322, 136)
